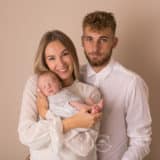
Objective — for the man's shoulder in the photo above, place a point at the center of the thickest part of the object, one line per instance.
(127, 74)
(121, 70)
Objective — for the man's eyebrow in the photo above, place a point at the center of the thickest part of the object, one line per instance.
(106, 36)
(86, 36)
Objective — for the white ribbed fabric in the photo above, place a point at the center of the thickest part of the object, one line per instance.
(59, 103)
(125, 132)
(45, 138)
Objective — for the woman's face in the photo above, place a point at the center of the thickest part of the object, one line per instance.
(59, 60)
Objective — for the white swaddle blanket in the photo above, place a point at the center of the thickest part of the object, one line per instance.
(59, 103)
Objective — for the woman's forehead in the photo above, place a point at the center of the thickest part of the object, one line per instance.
(54, 47)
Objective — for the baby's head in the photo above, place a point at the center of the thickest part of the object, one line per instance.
(48, 83)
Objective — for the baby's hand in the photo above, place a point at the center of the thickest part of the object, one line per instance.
(98, 107)
(95, 109)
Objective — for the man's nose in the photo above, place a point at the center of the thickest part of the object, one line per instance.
(95, 46)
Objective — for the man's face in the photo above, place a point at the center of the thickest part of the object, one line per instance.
(98, 45)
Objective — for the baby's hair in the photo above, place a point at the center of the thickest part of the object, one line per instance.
(49, 73)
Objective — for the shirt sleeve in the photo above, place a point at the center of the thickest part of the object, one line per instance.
(82, 142)
(34, 132)
(138, 121)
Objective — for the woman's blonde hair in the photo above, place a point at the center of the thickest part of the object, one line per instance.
(50, 36)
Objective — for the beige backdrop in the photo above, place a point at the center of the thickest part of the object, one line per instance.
(22, 23)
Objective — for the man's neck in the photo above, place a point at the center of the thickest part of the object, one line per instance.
(99, 68)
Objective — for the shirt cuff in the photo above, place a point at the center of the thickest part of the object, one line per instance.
(50, 115)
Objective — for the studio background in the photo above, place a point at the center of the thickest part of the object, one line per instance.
(22, 23)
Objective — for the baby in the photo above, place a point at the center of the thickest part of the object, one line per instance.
(62, 102)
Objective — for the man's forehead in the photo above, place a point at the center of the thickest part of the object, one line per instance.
(93, 31)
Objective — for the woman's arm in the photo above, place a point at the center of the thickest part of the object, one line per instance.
(80, 141)
(80, 120)
(34, 132)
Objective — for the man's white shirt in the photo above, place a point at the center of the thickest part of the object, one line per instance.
(125, 132)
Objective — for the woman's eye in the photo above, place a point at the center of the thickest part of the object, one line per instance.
(65, 53)
(51, 58)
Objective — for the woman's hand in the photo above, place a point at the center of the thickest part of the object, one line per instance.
(82, 119)
(42, 104)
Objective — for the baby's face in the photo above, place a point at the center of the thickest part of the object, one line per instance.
(49, 85)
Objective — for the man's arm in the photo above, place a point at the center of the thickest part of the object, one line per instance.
(138, 121)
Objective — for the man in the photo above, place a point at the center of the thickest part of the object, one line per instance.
(125, 132)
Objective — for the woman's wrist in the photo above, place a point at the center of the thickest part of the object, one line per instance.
(43, 113)
(68, 124)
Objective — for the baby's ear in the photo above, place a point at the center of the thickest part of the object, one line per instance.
(101, 103)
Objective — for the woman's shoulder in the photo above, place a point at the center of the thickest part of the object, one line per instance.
(84, 89)
(80, 84)
(32, 78)
(31, 81)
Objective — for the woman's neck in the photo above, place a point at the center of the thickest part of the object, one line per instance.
(68, 82)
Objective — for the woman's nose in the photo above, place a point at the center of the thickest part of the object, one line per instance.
(60, 62)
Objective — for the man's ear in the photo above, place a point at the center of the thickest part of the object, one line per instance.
(82, 43)
(115, 42)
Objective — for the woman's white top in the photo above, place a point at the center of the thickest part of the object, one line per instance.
(45, 138)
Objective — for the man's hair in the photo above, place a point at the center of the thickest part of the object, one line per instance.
(99, 20)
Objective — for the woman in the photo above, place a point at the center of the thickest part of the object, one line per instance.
(47, 136)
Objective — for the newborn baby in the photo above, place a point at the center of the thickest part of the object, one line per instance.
(62, 102)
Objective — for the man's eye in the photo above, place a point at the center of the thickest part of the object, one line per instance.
(89, 39)
(102, 40)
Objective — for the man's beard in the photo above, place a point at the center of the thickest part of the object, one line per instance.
(99, 62)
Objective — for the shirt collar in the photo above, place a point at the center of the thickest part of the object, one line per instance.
(104, 72)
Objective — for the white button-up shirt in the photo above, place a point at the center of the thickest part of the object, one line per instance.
(125, 132)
